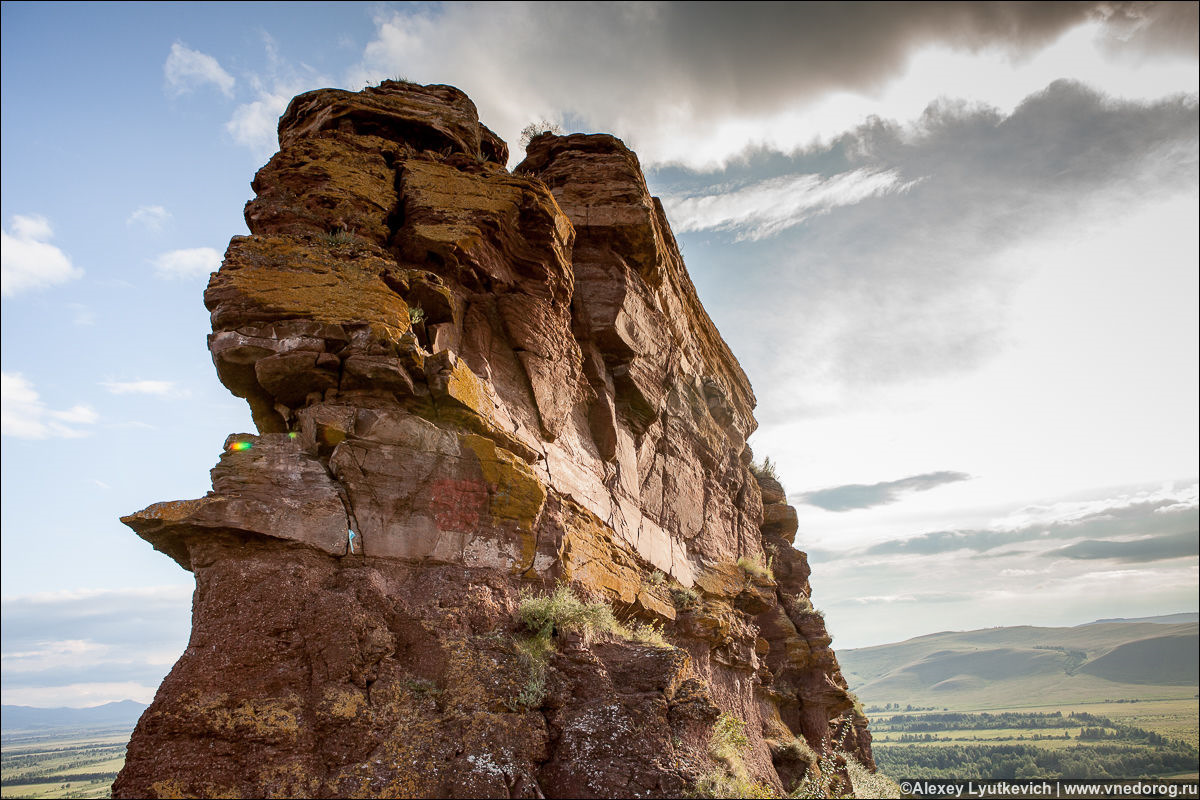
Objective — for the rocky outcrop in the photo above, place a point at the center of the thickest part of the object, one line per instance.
(471, 385)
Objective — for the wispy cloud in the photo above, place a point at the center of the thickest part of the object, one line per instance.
(160, 388)
(914, 597)
(1163, 522)
(857, 495)
(765, 208)
(149, 217)
(255, 124)
(28, 260)
(194, 262)
(186, 69)
(1148, 548)
(25, 416)
(87, 647)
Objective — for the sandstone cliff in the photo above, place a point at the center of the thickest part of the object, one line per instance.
(472, 386)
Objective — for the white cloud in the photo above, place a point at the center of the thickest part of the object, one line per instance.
(193, 262)
(28, 260)
(765, 208)
(150, 217)
(255, 124)
(90, 646)
(1184, 498)
(186, 69)
(50, 654)
(161, 388)
(79, 695)
(25, 416)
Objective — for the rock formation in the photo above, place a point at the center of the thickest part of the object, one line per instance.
(472, 386)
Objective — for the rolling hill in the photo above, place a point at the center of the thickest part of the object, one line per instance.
(1149, 658)
(110, 715)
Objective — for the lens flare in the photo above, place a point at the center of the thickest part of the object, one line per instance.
(237, 447)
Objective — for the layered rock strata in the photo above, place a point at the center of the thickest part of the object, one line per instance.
(471, 383)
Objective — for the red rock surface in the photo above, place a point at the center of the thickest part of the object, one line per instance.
(500, 382)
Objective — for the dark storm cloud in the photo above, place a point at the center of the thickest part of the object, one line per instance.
(759, 55)
(857, 495)
(651, 72)
(1164, 523)
(1151, 548)
(756, 57)
(1150, 29)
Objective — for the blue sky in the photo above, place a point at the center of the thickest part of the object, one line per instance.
(953, 245)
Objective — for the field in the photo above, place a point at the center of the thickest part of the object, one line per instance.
(1107, 699)
(60, 763)
(1094, 740)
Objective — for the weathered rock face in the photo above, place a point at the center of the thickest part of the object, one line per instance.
(470, 383)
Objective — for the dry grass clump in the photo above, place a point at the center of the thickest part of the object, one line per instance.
(562, 611)
(727, 746)
(752, 565)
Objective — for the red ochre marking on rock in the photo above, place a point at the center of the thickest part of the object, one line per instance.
(455, 503)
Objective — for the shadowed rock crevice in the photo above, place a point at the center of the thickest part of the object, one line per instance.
(500, 382)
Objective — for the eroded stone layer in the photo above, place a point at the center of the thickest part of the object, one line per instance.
(470, 383)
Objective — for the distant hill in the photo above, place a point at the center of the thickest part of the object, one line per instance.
(1164, 619)
(1154, 657)
(26, 718)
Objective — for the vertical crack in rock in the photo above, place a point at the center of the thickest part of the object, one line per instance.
(500, 381)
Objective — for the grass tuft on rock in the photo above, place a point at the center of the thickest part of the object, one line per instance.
(562, 611)
(727, 747)
(752, 565)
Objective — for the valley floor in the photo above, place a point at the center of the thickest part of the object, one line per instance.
(1154, 738)
(61, 764)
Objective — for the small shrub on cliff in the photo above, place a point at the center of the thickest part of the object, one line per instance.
(798, 749)
(870, 784)
(729, 738)
(563, 611)
(751, 565)
(824, 781)
(835, 766)
(858, 706)
(829, 783)
(684, 597)
(765, 468)
(338, 236)
(799, 607)
(727, 746)
(645, 633)
(535, 129)
(534, 653)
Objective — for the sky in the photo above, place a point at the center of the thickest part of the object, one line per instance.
(953, 245)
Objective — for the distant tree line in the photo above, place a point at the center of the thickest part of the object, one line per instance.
(985, 721)
(59, 777)
(1028, 761)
